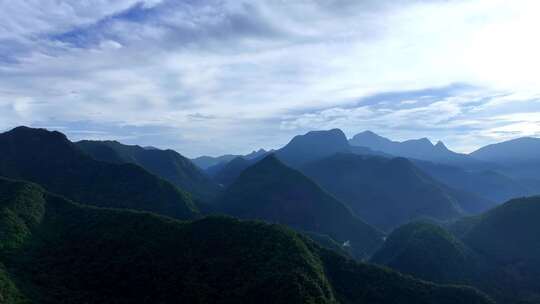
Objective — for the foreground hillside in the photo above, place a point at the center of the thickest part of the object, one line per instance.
(55, 251)
(51, 160)
(499, 252)
(427, 251)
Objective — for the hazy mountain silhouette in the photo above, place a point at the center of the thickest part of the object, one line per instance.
(522, 149)
(313, 145)
(519, 158)
(229, 172)
(389, 192)
(206, 162)
(489, 184)
(301, 149)
(421, 149)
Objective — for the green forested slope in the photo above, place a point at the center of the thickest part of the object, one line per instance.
(51, 160)
(56, 251)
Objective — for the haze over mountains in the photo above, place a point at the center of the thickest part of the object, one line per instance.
(402, 192)
(421, 149)
(60, 239)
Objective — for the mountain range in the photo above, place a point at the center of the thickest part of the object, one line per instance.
(51, 160)
(271, 191)
(388, 192)
(361, 178)
(106, 222)
(421, 149)
(497, 178)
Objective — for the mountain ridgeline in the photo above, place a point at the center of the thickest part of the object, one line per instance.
(105, 222)
(421, 149)
(56, 251)
(167, 164)
(51, 160)
(402, 192)
(271, 191)
(498, 251)
(312, 146)
(517, 158)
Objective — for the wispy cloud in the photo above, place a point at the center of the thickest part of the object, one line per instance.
(214, 76)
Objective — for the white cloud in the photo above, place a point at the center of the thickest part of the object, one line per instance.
(265, 69)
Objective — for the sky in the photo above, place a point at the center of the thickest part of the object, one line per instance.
(231, 76)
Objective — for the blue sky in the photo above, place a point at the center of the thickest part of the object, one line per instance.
(220, 76)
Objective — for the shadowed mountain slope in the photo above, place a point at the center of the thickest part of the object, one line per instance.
(389, 192)
(499, 251)
(167, 164)
(271, 191)
(427, 251)
(51, 160)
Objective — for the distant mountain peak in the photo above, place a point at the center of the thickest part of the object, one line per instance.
(441, 145)
(332, 133)
(269, 161)
(367, 133)
(313, 145)
(421, 149)
(24, 131)
(424, 141)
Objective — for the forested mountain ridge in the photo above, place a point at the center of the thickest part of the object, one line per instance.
(53, 250)
(167, 164)
(497, 252)
(271, 191)
(51, 160)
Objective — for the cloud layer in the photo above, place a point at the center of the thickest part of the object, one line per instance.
(216, 76)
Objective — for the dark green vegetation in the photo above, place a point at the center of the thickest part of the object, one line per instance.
(429, 252)
(167, 164)
(51, 160)
(508, 238)
(389, 192)
(55, 251)
(271, 191)
(499, 252)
